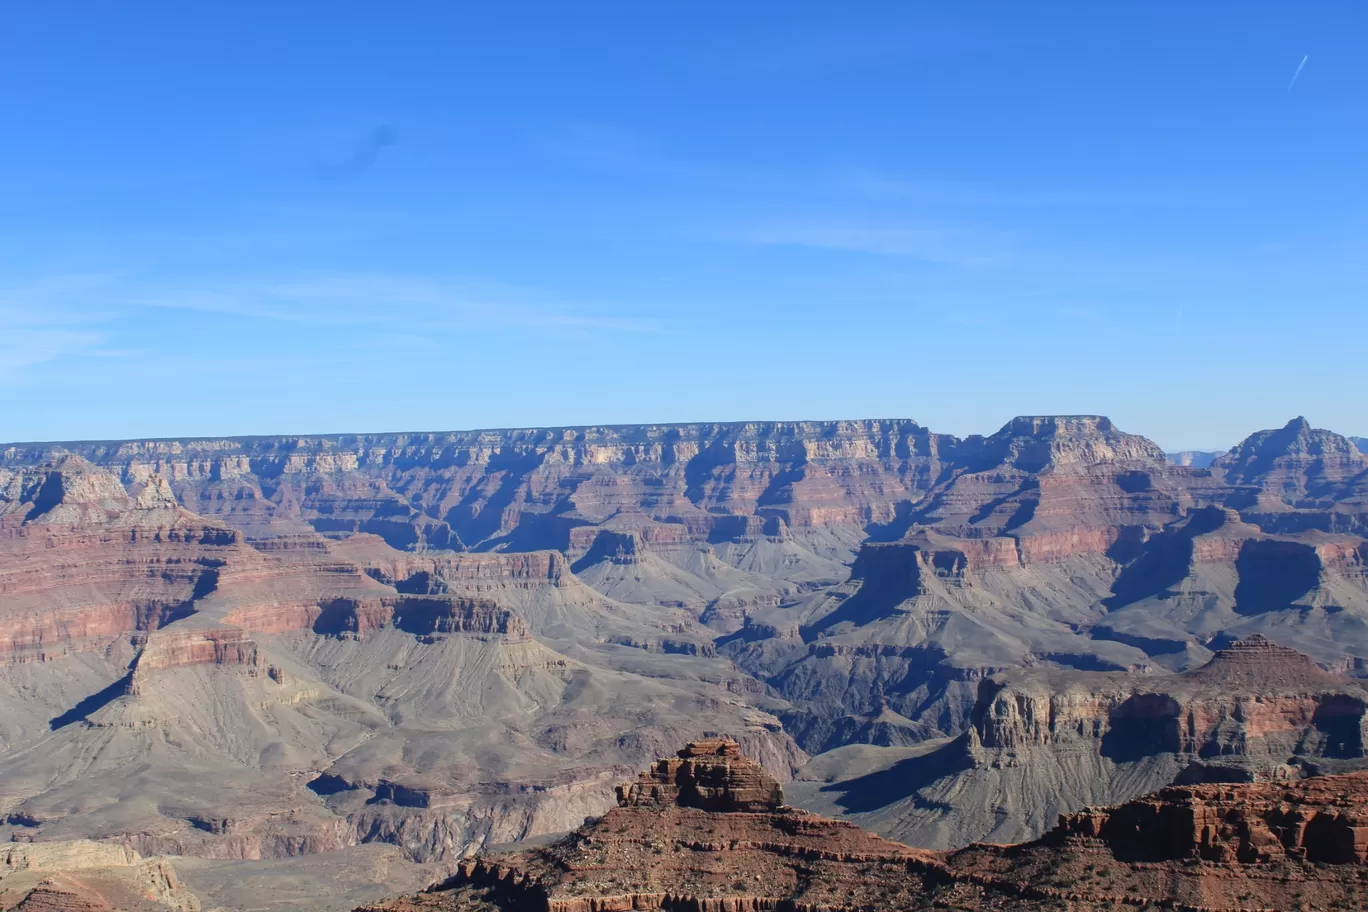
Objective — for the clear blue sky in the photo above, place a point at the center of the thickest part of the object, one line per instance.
(230, 218)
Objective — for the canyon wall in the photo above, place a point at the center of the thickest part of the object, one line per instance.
(447, 641)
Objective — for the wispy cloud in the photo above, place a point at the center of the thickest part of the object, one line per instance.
(367, 299)
(50, 319)
(67, 320)
(950, 246)
(632, 155)
(21, 347)
(883, 187)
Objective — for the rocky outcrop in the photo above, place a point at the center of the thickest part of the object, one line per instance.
(1201, 849)
(1043, 742)
(660, 848)
(710, 775)
(86, 876)
(1256, 704)
(1298, 478)
(1322, 821)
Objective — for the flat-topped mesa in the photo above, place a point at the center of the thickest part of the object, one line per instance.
(1032, 442)
(710, 775)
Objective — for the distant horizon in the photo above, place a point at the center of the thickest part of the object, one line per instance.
(184, 438)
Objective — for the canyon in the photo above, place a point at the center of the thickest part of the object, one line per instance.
(267, 654)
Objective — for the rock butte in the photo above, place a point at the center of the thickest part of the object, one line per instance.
(1213, 848)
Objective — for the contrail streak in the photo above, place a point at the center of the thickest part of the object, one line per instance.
(1298, 73)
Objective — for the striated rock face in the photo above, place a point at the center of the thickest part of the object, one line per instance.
(1322, 820)
(1298, 477)
(1255, 705)
(463, 489)
(1209, 848)
(710, 775)
(659, 849)
(84, 876)
(1212, 847)
(1043, 742)
(279, 646)
(172, 684)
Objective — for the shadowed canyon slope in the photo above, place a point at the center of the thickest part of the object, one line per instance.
(297, 646)
(1046, 741)
(709, 831)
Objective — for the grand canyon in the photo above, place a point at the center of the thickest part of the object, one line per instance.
(316, 672)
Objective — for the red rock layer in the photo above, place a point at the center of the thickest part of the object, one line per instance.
(420, 615)
(1202, 849)
(60, 585)
(710, 775)
(1319, 820)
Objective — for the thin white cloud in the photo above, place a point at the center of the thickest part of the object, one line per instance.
(369, 299)
(64, 319)
(50, 319)
(22, 347)
(955, 247)
(883, 187)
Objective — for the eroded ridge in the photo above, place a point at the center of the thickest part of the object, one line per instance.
(1209, 848)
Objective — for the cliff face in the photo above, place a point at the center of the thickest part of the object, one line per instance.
(1321, 821)
(1210, 848)
(706, 829)
(1298, 478)
(1070, 543)
(256, 698)
(467, 489)
(1043, 742)
(85, 876)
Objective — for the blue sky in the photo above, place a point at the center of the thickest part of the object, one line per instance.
(311, 217)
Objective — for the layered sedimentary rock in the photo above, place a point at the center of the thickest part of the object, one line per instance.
(1298, 478)
(710, 775)
(705, 829)
(1044, 742)
(1074, 545)
(470, 488)
(1322, 820)
(1209, 848)
(172, 685)
(85, 876)
(444, 641)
